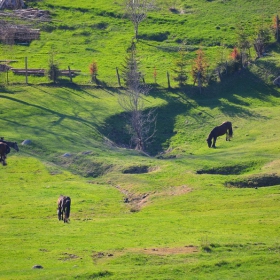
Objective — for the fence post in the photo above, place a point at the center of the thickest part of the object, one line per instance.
(168, 79)
(119, 80)
(70, 75)
(26, 76)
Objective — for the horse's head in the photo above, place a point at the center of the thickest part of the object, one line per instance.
(15, 145)
(209, 142)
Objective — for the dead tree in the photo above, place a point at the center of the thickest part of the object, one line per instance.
(136, 11)
(261, 41)
(142, 122)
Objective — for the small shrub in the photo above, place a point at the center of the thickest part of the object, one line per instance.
(53, 71)
(174, 10)
(93, 71)
(159, 37)
(65, 27)
(100, 25)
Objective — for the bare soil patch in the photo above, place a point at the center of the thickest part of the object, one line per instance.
(67, 257)
(137, 201)
(189, 249)
(168, 251)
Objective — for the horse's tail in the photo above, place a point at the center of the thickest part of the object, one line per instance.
(67, 209)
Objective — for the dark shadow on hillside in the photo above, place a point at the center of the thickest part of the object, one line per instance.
(245, 85)
(38, 129)
(228, 96)
(255, 181)
(104, 13)
(116, 128)
(165, 48)
(78, 90)
(5, 90)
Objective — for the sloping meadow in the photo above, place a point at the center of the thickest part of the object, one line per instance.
(180, 210)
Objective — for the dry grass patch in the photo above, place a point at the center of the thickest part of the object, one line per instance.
(137, 201)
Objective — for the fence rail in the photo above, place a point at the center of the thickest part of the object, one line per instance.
(41, 72)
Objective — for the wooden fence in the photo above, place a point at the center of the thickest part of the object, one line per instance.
(42, 72)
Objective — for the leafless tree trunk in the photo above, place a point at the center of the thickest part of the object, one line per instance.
(137, 10)
(142, 122)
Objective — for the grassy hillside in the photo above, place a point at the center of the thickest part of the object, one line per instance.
(185, 211)
(80, 32)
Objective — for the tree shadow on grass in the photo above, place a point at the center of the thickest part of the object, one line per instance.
(232, 97)
(116, 128)
(41, 130)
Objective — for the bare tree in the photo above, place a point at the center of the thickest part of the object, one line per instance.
(137, 10)
(142, 122)
(261, 40)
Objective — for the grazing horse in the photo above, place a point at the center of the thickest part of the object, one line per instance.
(224, 128)
(3, 149)
(6, 148)
(63, 207)
(10, 145)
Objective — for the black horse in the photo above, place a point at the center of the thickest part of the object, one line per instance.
(63, 207)
(9, 145)
(3, 149)
(224, 128)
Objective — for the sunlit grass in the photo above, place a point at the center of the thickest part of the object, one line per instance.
(234, 231)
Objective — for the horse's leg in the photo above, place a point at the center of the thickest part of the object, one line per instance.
(3, 160)
(214, 142)
(59, 212)
(227, 136)
(65, 215)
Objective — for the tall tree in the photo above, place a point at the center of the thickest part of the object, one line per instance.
(276, 27)
(199, 69)
(142, 122)
(137, 10)
(130, 72)
(244, 45)
(179, 69)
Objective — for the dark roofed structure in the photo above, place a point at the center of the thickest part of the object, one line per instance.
(11, 4)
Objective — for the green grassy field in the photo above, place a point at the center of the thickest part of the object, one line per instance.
(184, 219)
(80, 32)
